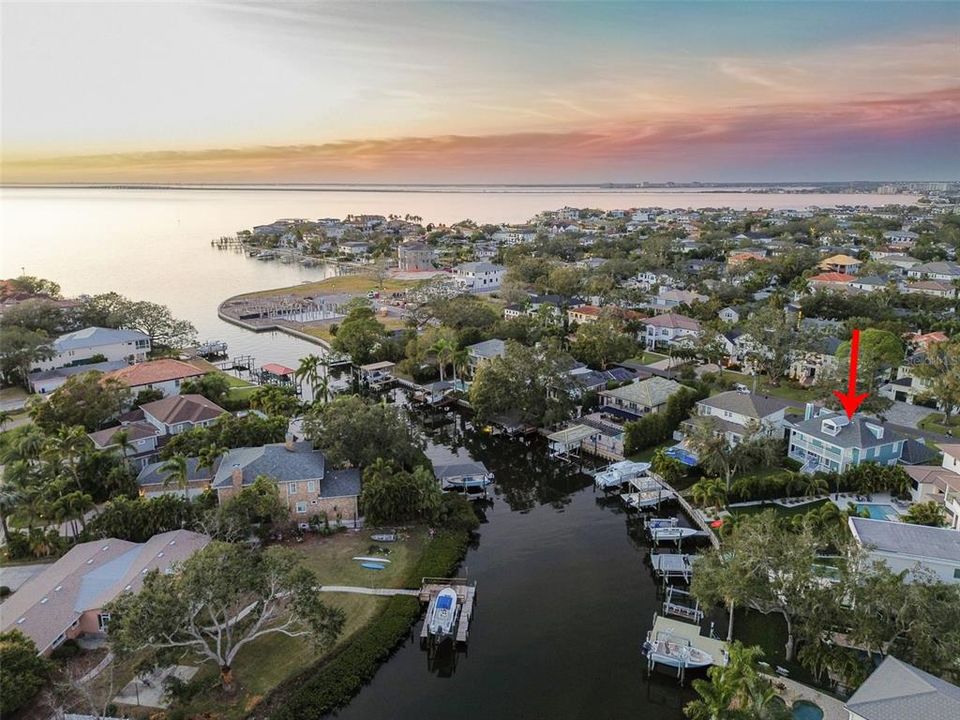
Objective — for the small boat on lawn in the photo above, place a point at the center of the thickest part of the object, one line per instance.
(671, 533)
(384, 537)
(372, 565)
(619, 473)
(372, 559)
(443, 618)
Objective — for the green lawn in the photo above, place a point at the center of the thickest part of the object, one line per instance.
(935, 423)
(779, 509)
(787, 389)
(649, 357)
(770, 633)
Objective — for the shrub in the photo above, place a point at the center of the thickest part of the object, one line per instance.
(656, 428)
(66, 650)
(4, 591)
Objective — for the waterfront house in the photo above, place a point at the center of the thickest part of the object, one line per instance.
(96, 344)
(306, 484)
(736, 414)
(46, 381)
(830, 442)
(165, 375)
(640, 398)
(479, 276)
(485, 351)
(415, 256)
(905, 546)
(898, 691)
(669, 329)
(66, 599)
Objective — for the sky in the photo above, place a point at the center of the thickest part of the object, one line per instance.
(478, 92)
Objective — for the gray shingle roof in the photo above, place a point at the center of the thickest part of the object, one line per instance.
(153, 475)
(652, 392)
(183, 408)
(301, 462)
(341, 483)
(96, 337)
(908, 539)
(488, 348)
(897, 691)
(855, 434)
(749, 404)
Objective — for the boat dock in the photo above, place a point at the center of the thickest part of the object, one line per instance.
(466, 598)
(686, 635)
(672, 565)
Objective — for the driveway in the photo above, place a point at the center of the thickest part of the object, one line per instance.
(901, 413)
(14, 576)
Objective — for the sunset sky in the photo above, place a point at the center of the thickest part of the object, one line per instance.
(476, 92)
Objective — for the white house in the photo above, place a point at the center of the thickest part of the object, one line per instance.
(904, 546)
(735, 413)
(479, 276)
(898, 691)
(105, 344)
(669, 328)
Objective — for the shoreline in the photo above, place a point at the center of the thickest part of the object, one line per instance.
(275, 327)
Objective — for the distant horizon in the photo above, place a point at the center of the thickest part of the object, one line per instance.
(483, 93)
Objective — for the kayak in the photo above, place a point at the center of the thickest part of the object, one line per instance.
(372, 566)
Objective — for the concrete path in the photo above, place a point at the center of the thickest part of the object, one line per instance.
(387, 592)
(15, 576)
(148, 690)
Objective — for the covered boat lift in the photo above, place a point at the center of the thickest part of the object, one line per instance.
(565, 444)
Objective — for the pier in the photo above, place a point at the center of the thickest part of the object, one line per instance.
(685, 643)
(466, 599)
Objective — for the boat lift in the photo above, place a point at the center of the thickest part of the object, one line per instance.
(682, 604)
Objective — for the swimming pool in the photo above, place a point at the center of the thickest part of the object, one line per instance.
(803, 710)
(879, 511)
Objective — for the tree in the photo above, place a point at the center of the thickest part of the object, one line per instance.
(940, 373)
(275, 400)
(929, 513)
(443, 350)
(20, 349)
(775, 338)
(256, 506)
(669, 468)
(736, 690)
(602, 342)
(24, 672)
(85, 399)
(351, 430)
(391, 495)
(223, 598)
(764, 567)
(717, 455)
(880, 352)
(116, 311)
(359, 335)
(176, 470)
(709, 492)
(308, 371)
(214, 386)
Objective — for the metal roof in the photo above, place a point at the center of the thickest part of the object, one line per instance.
(908, 539)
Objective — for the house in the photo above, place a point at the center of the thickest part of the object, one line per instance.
(586, 314)
(904, 546)
(67, 598)
(178, 413)
(898, 691)
(165, 375)
(640, 398)
(732, 314)
(485, 351)
(96, 344)
(300, 471)
(415, 256)
(46, 381)
(153, 480)
(933, 288)
(900, 237)
(939, 484)
(479, 276)
(142, 440)
(670, 328)
(669, 298)
(938, 270)
(843, 264)
(354, 248)
(830, 281)
(736, 413)
(830, 442)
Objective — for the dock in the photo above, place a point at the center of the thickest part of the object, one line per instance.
(672, 565)
(466, 598)
(689, 635)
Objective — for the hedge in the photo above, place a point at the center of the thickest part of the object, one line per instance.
(332, 682)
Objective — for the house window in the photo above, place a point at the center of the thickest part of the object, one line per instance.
(956, 573)
(103, 620)
(292, 488)
(311, 486)
(301, 507)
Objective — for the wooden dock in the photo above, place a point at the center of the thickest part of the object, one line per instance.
(466, 599)
(717, 649)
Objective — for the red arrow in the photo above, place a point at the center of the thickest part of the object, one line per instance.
(850, 400)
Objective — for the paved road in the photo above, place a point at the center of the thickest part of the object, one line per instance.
(14, 576)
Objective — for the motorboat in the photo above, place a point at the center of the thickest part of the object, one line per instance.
(647, 498)
(651, 523)
(673, 651)
(443, 617)
(671, 533)
(619, 473)
(380, 560)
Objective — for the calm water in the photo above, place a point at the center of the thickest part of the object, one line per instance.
(564, 602)
(154, 244)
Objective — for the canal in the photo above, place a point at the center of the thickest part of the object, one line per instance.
(564, 603)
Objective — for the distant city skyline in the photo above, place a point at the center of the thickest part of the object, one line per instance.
(501, 93)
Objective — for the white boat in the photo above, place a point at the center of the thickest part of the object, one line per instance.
(650, 523)
(647, 498)
(673, 651)
(363, 558)
(443, 617)
(615, 475)
(671, 533)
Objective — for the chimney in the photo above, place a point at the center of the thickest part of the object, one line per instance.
(236, 474)
(809, 411)
(288, 442)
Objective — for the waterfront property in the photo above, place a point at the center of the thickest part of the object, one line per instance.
(897, 691)
(165, 375)
(102, 344)
(306, 484)
(640, 398)
(485, 351)
(46, 381)
(903, 546)
(415, 256)
(830, 442)
(736, 414)
(66, 600)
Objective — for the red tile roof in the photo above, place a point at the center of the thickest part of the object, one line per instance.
(833, 277)
(154, 371)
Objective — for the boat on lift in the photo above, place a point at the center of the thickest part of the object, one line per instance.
(677, 533)
(673, 651)
(442, 620)
(620, 473)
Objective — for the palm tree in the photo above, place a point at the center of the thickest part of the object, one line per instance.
(709, 492)
(10, 498)
(323, 390)
(208, 456)
(669, 468)
(121, 439)
(177, 470)
(460, 358)
(309, 371)
(443, 349)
